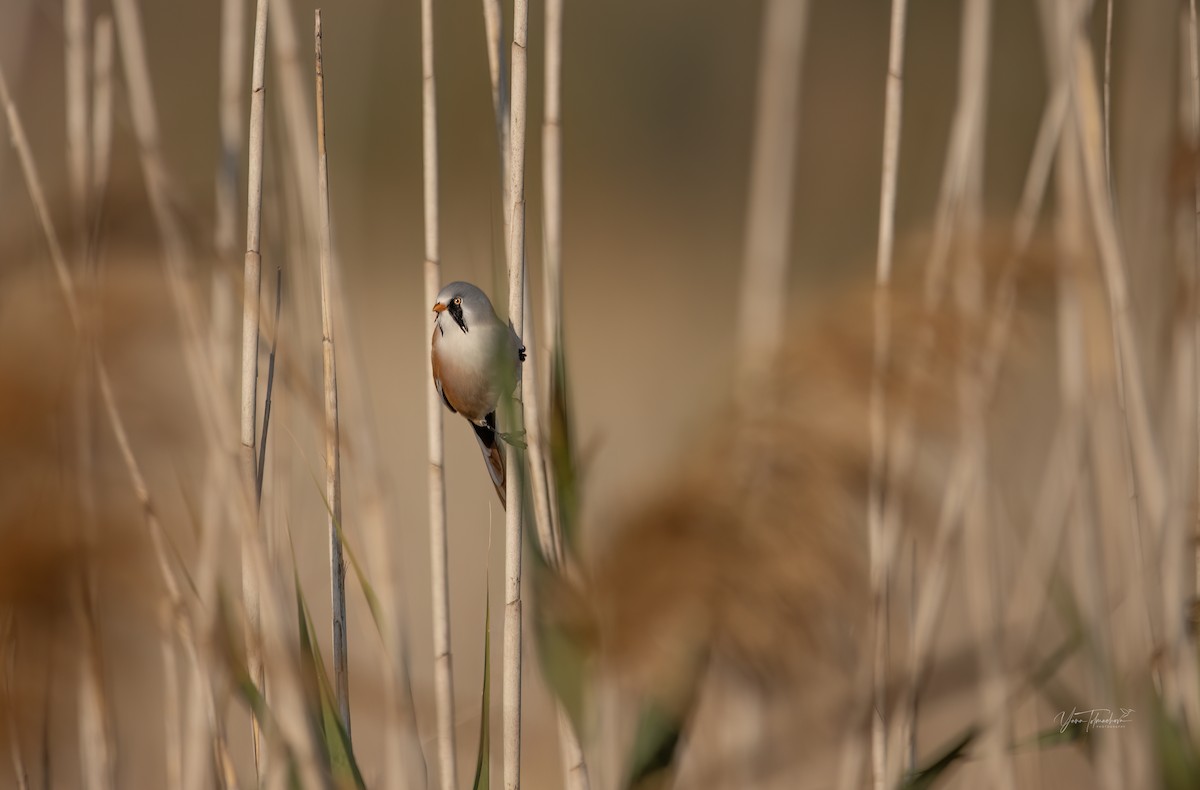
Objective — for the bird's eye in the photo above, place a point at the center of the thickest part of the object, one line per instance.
(458, 300)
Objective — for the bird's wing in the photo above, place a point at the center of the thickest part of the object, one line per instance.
(435, 360)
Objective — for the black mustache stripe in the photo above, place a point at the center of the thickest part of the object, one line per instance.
(456, 312)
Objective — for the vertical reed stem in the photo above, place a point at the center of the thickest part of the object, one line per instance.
(769, 210)
(514, 515)
(443, 674)
(333, 459)
(878, 401)
(252, 281)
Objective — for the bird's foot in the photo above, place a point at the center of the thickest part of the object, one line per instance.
(516, 438)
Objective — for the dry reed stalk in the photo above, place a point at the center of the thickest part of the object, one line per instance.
(1108, 29)
(493, 25)
(34, 185)
(251, 284)
(78, 39)
(172, 707)
(1178, 577)
(96, 745)
(333, 459)
(443, 673)
(97, 738)
(574, 764)
(769, 208)
(232, 45)
(552, 207)
(514, 515)
(253, 259)
(549, 539)
(101, 133)
(1194, 68)
(290, 710)
(878, 401)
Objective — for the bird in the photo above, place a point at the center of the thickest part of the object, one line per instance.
(476, 359)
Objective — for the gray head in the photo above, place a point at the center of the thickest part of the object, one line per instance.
(464, 303)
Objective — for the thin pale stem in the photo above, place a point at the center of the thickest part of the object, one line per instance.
(101, 133)
(1193, 47)
(233, 36)
(514, 515)
(443, 674)
(333, 463)
(251, 283)
(878, 399)
(493, 21)
(769, 210)
(78, 40)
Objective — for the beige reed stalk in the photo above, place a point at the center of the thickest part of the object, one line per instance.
(1194, 68)
(78, 40)
(880, 572)
(493, 18)
(762, 302)
(251, 284)
(514, 515)
(253, 261)
(1108, 31)
(233, 35)
(769, 209)
(443, 672)
(101, 138)
(574, 765)
(333, 460)
(552, 219)
(97, 745)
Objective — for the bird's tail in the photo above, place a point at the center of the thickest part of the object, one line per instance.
(493, 454)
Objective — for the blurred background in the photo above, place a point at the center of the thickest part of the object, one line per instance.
(657, 118)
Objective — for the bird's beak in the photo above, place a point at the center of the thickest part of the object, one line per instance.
(439, 307)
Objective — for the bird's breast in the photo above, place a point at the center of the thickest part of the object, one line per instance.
(470, 368)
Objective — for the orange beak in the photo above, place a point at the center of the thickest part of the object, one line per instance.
(439, 307)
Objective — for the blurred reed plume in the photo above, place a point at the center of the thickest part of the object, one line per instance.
(748, 563)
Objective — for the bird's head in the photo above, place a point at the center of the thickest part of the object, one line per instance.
(464, 303)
